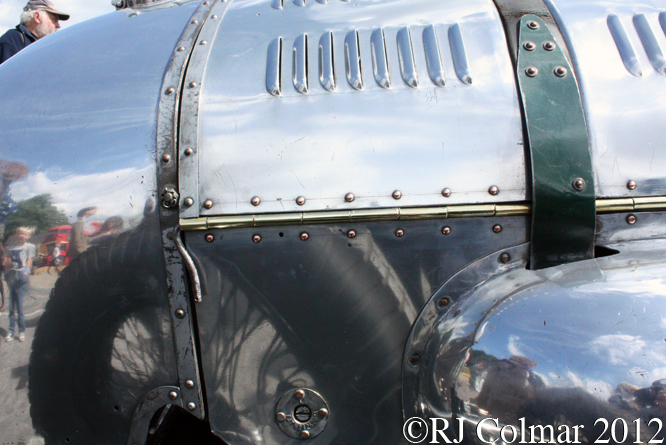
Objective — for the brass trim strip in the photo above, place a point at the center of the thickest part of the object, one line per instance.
(604, 205)
(638, 204)
(338, 216)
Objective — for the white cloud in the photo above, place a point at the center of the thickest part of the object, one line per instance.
(79, 10)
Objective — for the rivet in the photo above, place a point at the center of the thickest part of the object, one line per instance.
(170, 91)
(578, 184)
(189, 384)
(446, 230)
(188, 152)
(504, 258)
(444, 302)
(206, 3)
(305, 236)
(532, 24)
(180, 313)
(299, 394)
(351, 233)
(497, 228)
(194, 22)
(560, 71)
(181, 48)
(281, 417)
(170, 235)
(256, 238)
(415, 358)
(192, 84)
(397, 194)
(189, 202)
(191, 406)
(529, 46)
(349, 197)
(255, 201)
(305, 434)
(300, 200)
(631, 219)
(549, 46)
(208, 203)
(446, 192)
(531, 71)
(210, 238)
(493, 190)
(631, 185)
(214, 16)
(203, 42)
(323, 412)
(166, 158)
(399, 233)
(173, 395)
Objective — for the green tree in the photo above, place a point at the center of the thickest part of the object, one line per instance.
(37, 212)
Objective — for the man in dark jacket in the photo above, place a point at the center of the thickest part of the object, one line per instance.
(39, 19)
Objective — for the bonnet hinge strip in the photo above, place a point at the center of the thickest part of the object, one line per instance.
(563, 201)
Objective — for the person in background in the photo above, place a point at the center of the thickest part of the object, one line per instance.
(39, 19)
(78, 242)
(17, 273)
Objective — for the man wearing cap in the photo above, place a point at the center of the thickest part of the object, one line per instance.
(39, 19)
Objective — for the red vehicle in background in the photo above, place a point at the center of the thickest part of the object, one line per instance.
(59, 236)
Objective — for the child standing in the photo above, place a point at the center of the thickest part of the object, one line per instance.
(17, 274)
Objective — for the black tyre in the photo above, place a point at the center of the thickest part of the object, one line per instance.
(103, 342)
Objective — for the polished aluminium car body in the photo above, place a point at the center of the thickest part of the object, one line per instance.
(340, 215)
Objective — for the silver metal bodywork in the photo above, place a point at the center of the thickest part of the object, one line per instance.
(329, 198)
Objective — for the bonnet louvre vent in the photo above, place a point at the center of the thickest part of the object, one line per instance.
(647, 38)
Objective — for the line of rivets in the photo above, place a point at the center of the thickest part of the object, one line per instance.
(281, 417)
(300, 200)
(399, 233)
(305, 236)
(188, 152)
(560, 71)
(166, 158)
(533, 25)
(192, 84)
(578, 184)
(299, 394)
(397, 194)
(255, 201)
(446, 192)
(256, 238)
(529, 46)
(531, 71)
(631, 184)
(504, 258)
(208, 204)
(170, 91)
(180, 313)
(351, 233)
(549, 46)
(493, 190)
(305, 434)
(191, 406)
(349, 197)
(446, 230)
(189, 384)
(210, 238)
(631, 219)
(497, 228)
(173, 395)
(189, 202)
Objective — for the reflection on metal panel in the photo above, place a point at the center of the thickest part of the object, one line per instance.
(353, 61)
(433, 56)
(406, 54)
(379, 62)
(359, 129)
(627, 52)
(650, 43)
(326, 62)
(300, 64)
(459, 54)
(623, 112)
